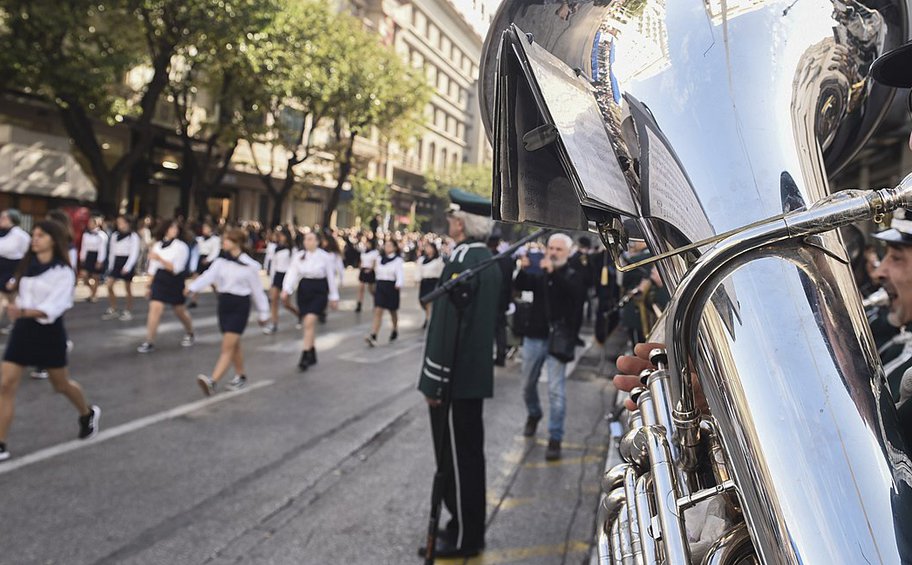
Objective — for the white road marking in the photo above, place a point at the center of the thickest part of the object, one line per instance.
(379, 357)
(123, 429)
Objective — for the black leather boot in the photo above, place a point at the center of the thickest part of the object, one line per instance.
(312, 356)
(304, 362)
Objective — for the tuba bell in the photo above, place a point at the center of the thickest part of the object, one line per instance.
(709, 128)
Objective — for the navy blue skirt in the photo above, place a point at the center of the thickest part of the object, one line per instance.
(168, 288)
(233, 312)
(427, 285)
(39, 345)
(313, 296)
(90, 265)
(367, 276)
(119, 262)
(7, 270)
(277, 280)
(386, 296)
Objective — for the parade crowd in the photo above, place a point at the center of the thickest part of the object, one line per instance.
(304, 269)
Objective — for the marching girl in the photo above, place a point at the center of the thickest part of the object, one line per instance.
(390, 277)
(279, 262)
(14, 244)
(330, 244)
(122, 257)
(430, 267)
(313, 273)
(45, 282)
(203, 253)
(93, 253)
(209, 245)
(237, 277)
(167, 264)
(366, 276)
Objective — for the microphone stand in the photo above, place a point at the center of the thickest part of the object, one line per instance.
(460, 296)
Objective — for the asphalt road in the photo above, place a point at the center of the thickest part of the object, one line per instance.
(328, 466)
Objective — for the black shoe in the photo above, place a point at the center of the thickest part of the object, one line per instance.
(4, 453)
(553, 453)
(312, 356)
(192, 305)
(393, 336)
(304, 361)
(424, 325)
(88, 424)
(445, 548)
(322, 317)
(531, 425)
(500, 362)
(358, 307)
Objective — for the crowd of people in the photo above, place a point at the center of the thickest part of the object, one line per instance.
(304, 270)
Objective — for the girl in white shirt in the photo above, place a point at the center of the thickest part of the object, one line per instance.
(430, 267)
(313, 274)
(168, 260)
(93, 253)
(237, 277)
(209, 245)
(366, 276)
(45, 283)
(390, 272)
(122, 256)
(279, 262)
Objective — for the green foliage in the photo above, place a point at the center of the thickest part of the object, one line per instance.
(477, 179)
(71, 52)
(370, 197)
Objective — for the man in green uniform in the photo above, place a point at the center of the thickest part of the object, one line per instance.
(467, 367)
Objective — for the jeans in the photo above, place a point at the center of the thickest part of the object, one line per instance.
(534, 356)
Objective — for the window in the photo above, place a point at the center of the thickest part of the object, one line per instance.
(432, 74)
(444, 44)
(460, 131)
(432, 155)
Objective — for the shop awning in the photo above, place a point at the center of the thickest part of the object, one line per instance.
(38, 170)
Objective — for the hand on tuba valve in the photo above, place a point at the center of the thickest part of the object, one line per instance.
(631, 367)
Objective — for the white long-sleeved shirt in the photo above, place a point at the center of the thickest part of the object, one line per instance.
(317, 264)
(391, 271)
(177, 253)
(430, 269)
(240, 277)
(15, 243)
(128, 247)
(97, 241)
(280, 260)
(369, 259)
(209, 247)
(48, 288)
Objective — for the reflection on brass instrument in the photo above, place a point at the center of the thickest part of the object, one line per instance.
(709, 129)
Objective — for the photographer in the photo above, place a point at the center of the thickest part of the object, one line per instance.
(558, 291)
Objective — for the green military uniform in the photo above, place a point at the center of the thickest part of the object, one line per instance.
(473, 373)
(458, 432)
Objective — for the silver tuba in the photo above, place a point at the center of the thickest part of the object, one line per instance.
(709, 128)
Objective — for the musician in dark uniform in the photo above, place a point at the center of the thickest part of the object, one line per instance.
(895, 270)
(470, 371)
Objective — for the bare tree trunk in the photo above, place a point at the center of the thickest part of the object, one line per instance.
(345, 169)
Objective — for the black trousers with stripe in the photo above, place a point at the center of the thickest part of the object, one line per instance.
(464, 490)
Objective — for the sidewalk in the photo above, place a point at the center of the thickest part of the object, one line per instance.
(541, 512)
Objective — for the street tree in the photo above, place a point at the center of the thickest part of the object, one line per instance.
(381, 93)
(75, 55)
(477, 179)
(301, 51)
(219, 97)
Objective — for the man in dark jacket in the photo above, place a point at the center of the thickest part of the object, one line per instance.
(470, 370)
(558, 295)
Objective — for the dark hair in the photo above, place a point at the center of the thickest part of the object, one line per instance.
(62, 218)
(131, 221)
(431, 245)
(61, 242)
(280, 232)
(395, 244)
(239, 236)
(162, 230)
(332, 245)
